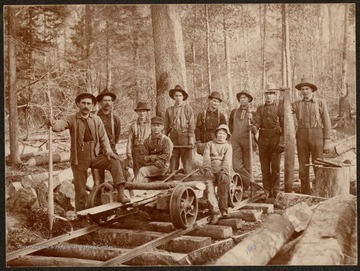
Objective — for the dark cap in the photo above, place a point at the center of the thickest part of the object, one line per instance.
(305, 82)
(105, 92)
(178, 88)
(215, 95)
(85, 95)
(142, 106)
(157, 120)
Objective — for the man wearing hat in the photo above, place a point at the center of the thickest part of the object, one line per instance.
(138, 132)
(217, 167)
(179, 125)
(156, 152)
(313, 130)
(112, 127)
(270, 122)
(90, 148)
(208, 120)
(239, 128)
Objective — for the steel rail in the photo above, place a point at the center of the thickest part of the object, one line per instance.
(50, 242)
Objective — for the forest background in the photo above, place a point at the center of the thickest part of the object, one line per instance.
(139, 52)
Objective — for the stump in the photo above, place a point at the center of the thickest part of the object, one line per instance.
(332, 181)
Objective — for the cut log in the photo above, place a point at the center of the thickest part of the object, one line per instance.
(43, 160)
(285, 200)
(163, 186)
(299, 215)
(263, 244)
(326, 239)
(51, 261)
(332, 181)
(284, 255)
(349, 155)
(342, 146)
(246, 215)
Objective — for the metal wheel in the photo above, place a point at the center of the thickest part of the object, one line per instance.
(236, 188)
(94, 199)
(183, 207)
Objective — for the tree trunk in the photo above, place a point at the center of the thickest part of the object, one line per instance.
(12, 90)
(263, 47)
(283, 55)
(343, 91)
(331, 51)
(107, 56)
(169, 56)
(227, 59)
(287, 50)
(208, 61)
(87, 46)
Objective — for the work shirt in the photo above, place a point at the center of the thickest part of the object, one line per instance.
(268, 117)
(179, 119)
(77, 131)
(159, 146)
(312, 114)
(217, 156)
(206, 125)
(138, 132)
(106, 118)
(238, 122)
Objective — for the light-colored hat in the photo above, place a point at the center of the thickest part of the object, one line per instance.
(271, 88)
(224, 127)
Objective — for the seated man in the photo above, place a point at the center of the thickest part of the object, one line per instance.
(217, 167)
(155, 153)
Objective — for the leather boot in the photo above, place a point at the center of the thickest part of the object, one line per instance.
(214, 219)
(121, 196)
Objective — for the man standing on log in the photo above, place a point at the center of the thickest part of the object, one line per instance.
(208, 121)
(112, 127)
(240, 128)
(139, 131)
(90, 148)
(269, 120)
(155, 153)
(179, 125)
(313, 130)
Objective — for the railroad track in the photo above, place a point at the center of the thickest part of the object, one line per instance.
(64, 254)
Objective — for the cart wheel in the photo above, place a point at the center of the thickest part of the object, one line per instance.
(183, 207)
(236, 188)
(94, 199)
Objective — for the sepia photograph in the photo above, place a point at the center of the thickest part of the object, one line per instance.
(212, 134)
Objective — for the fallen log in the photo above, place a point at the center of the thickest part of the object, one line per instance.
(262, 245)
(163, 186)
(284, 255)
(326, 239)
(43, 160)
(332, 181)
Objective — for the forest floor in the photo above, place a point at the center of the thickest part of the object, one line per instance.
(30, 226)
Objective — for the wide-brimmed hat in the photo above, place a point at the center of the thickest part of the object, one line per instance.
(244, 92)
(157, 120)
(105, 92)
(85, 95)
(270, 88)
(225, 127)
(305, 82)
(216, 95)
(142, 106)
(178, 88)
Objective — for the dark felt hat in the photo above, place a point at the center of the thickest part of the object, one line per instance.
(157, 120)
(178, 88)
(225, 127)
(270, 88)
(245, 92)
(105, 92)
(142, 106)
(216, 95)
(85, 95)
(305, 82)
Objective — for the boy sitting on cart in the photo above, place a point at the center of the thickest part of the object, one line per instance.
(155, 153)
(217, 163)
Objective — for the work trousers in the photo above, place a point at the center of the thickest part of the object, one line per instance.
(185, 154)
(270, 160)
(310, 141)
(241, 159)
(136, 155)
(80, 172)
(223, 188)
(99, 174)
(149, 171)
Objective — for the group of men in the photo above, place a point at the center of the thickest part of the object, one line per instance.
(156, 146)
